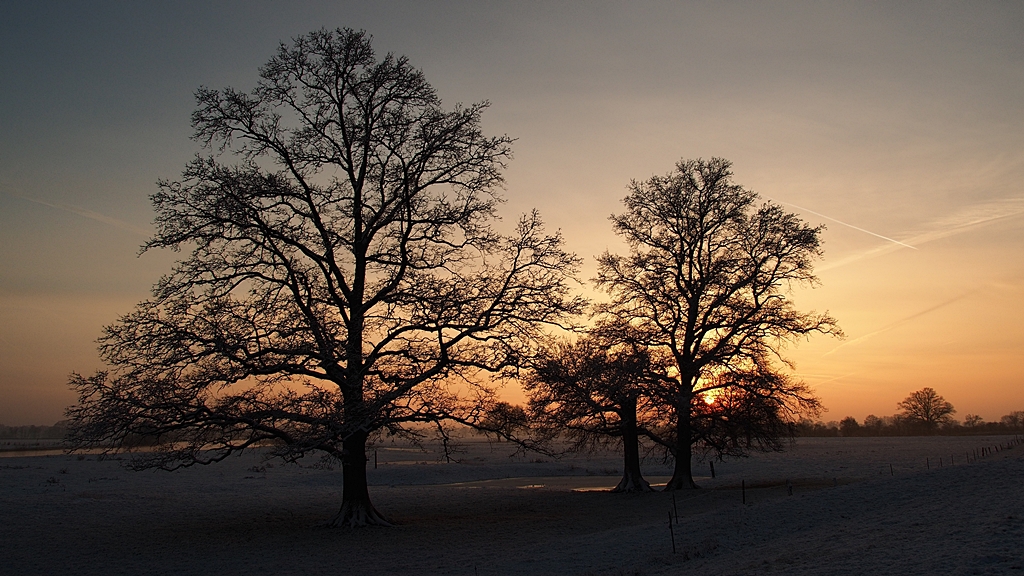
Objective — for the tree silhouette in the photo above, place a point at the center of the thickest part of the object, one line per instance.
(1014, 419)
(594, 390)
(735, 412)
(706, 281)
(849, 426)
(925, 408)
(342, 277)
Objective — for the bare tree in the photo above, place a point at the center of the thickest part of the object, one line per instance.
(926, 409)
(849, 426)
(342, 277)
(1014, 419)
(735, 412)
(595, 390)
(706, 280)
(973, 420)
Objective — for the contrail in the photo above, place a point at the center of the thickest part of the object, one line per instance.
(848, 225)
(834, 378)
(90, 214)
(963, 220)
(904, 320)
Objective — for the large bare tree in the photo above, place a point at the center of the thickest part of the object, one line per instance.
(342, 276)
(707, 280)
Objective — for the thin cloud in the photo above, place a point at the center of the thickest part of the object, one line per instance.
(902, 321)
(86, 213)
(963, 220)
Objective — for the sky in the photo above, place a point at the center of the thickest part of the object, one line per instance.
(899, 126)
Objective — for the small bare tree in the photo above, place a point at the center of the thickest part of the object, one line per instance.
(973, 420)
(595, 390)
(849, 426)
(1014, 420)
(926, 409)
(341, 276)
(735, 413)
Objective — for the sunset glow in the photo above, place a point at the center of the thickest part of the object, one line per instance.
(895, 126)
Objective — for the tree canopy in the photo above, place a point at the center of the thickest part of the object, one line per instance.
(341, 275)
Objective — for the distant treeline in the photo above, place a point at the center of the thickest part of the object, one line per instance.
(55, 432)
(899, 425)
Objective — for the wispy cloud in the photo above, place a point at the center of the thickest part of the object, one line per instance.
(86, 213)
(963, 220)
(902, 321)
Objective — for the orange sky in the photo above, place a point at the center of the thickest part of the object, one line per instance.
(903, 123)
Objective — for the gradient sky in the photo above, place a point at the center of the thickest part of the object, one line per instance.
(894, 125)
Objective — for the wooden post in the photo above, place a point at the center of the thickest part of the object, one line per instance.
(375, 459)
(671, 532)
(712, 470)
(674, 508)
(927, 464)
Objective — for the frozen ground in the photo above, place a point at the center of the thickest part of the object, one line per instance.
(849, 514)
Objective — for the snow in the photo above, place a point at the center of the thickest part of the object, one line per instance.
(491, 514)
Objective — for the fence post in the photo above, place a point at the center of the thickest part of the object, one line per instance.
(671, 532)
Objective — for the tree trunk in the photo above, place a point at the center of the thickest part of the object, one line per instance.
(632, 479)
(682, 476)
(356, 508)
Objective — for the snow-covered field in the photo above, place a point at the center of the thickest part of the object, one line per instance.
(850, 513)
